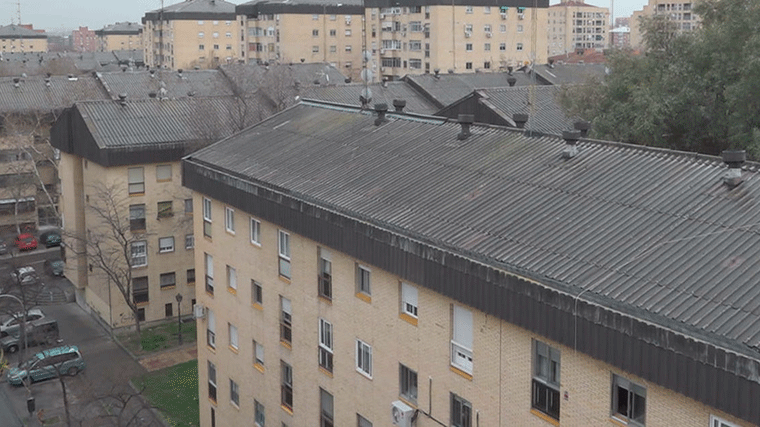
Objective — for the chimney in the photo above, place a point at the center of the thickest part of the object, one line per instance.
(437, 72)
(582, 126)
(381, 109)
(465, 120)
(399, 105)
(734, 159)
(520, 119)
(571, 138)
(123, 99)
(16, 81)
(511, 80)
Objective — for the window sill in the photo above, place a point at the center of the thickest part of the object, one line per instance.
(256, 244)
(190, 283)
(142, 304)
(325, 371)
(231, 232)
(211, 349)
(286, 409)
(407, 401)
(211, 294)
(233, 349)
(545, 417)
(408, 319)
(364, 297)
(167, 288)
(138, 267)
(164, 180)
(364, 374)
(257, 306)
(284, 279)
(234, 405)
(286, 345)
(460, 372)
(167, 251)
(233, 291)
(618, 422)
(325, 300)
(136, 194)
(213, 402)
(259, 367)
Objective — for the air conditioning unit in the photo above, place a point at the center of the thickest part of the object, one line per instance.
(401, 414)
(467, 34)
(521, 16)
(199, 311)
(382, 16)
(489, 34)
(504, 16)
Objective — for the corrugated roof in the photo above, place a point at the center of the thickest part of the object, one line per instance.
(349, 94)
(16, 31)
(647, 230)
(249, 76)
(121, 27)
(138, 84)
(545, 115)
(452, 87)
(560, 74)
(32, 94)
(58, 62)
(199, 6)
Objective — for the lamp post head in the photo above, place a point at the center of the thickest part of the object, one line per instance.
(178, 297)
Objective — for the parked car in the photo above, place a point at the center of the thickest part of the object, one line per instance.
(50, 239)
(25, 275)
(15, 319)
(48, 364)
(3, 247)
(26, 242)
(41, 331)
(54, 267)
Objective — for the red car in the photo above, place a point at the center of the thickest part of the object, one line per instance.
(26, 242)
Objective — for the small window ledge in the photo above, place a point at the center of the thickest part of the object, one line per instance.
(364, 297)
(460, 372)
(408, 319)
(545, 417)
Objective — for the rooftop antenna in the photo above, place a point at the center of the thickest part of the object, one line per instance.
(18, 13)
(533, 41)
(161, 36)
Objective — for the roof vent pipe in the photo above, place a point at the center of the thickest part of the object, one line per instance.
(399, 105)
(381, 109)
(152, 95)
(437, 72)
(123, 99)
(47, 81)
(571, 138)
(179, 72)
(16, 81)
(734, 159)
(510, 69)
(466, 120)
(511, 80)
(520, 119)
(582, 126)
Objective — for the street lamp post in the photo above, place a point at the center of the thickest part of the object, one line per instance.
(178, 297)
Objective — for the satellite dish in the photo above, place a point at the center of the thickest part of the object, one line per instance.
(367, 75)
(367, 55)
(367, 93)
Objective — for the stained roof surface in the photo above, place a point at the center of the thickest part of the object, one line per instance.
(349, 94)
(447, 88)
(139, 84)
(14, 31)
(545, 114)
(32, 94)
(648, 231)
(199, 6)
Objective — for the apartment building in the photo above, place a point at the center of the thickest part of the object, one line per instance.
(84, 40)
(380, 269)
(464, 36)
(17, 38)
(120, 36)
(577, 25)
(192, 33)
(679, 12)
(120, 175)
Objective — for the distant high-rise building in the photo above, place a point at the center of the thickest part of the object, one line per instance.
(22, 38)
(678, 11)
(84, 40)
(576, 25)
(120, 36)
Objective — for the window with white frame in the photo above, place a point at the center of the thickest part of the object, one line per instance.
(166, 244)
(407, 380)
(140, 287)
(137, 218)
(286, 321)
(136, 177)
(546, 377)
(461, 412)
(207, 217)
(258, 354)
(255, 231)
(231, 278)
(468, 9)
(229, 219)
(628, 401)
(461, 341)
(189, 241)
(286, 385)
(257, 293)
(363, 285)
(139, 253)
(233, 332)
(720, 422)
(163, 173)
(325, 273)
(326, 405)
(234, 393)
(211, 329)
(364, 358)
(325, 345)
(408, 299)
(211, 381)
(209, 273)
(284, 253)
(259, 416)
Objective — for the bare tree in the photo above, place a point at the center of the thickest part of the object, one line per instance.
(118, 406)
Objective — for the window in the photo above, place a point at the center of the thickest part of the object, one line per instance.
(211, 329)
(468, 47)
(136, 218)
(519, 28)
(136, 181)
(487, 47)
(407, 380)
(163, 173)
(364, 358)
(326, 412)
(333, 33)
(190, 276)
(188, 206)
(415, 45)
(487, 28)
(229, 220)
(487, 10)
(228, 35)
(168, 310)
(362, 422)
(201, 47)
(408, 299)
(519, 46)
(719, 422)
(415, 63)
(209, 273)
(502, 28)
(628, 401)
(231, 278)
(468, 9)
(233, 332)
(166, 244)
(140, 290)
(315, 17)
(363, 280)
(212, 381)
(207, 217)
(141, 314)
(257, 293)
(348, 32)
(139, 252)
(546, 370)
(255, 232)
(216, 35)
(348, 48)
(168, 280)
(315, 33)
(234, 393)
(461, 341)
(189, 241)
(165, 209)
(325, 345)
(461, 412)
(286, 387)
(258, 354)
(333, 49)
(487, 64)
(284, 253)
(325, 273)
(258, 414)
(286, 321)
(315, 49)
(502, 47)
(468, 65)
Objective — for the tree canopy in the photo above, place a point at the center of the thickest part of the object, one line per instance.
(694, 90)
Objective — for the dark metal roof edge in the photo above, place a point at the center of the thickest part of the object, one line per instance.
(492, 3)
(170, 16)
(264, 7)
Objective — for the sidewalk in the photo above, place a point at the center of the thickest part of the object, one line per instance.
(168, 358)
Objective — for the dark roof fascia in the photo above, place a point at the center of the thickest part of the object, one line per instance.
(266, 8)
(492, 3)
(421, 90)
(674, 356)
(101, 33)
(23, 36)
(477, 103)
(189, 16)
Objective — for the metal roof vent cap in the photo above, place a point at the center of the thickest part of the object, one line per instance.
(152, 95)
(437, 74)
(152, 74)
(179, 73)
(510, 69)
(734, 159)
(381, 109)
(123, 99)
(511, 80)
(399, 105)
(582, 126)
(571, 138)
(465, 120)
(451, 71)
(16, 81)
(520, 119)
(47, 81)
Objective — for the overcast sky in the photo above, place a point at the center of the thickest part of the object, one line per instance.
(57, 15)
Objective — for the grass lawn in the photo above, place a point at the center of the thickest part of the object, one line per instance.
(158, 338)
(174, 391)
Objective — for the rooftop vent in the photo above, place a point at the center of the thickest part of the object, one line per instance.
(72, 78)
(16, 82)
(191, 93)
(571, 138)
(399, 105)
(451, 71)
(152, 74)
(47, 81)
(465, 120)
(179, 72)
(511, 80)
(510, 69)
(381, 109)
(520, 119)
(582, 126)
(347, 80)
(734, 159)
(123, 99)
(152, 94)
(437, 72)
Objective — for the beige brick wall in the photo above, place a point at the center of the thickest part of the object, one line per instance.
(183, 41)
(500, 387)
